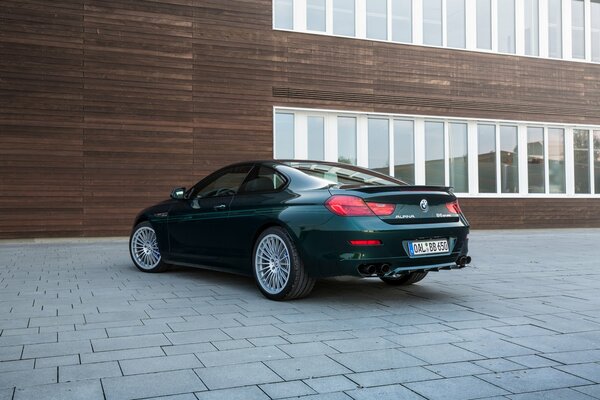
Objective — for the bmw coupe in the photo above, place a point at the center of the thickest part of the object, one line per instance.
(289, 222)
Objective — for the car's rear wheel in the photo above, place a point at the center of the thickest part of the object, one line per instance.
(278, 268)
(403, 279)
(143, 248)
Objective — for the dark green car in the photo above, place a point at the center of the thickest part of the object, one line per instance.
(288, 223)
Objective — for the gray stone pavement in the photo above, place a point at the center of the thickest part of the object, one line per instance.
(78, 321)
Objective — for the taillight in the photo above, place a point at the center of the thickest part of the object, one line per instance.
(369, 242)
(453, 207)
(348, 206)
(352, 206)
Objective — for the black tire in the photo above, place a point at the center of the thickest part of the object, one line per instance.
(404, 279)
(139, 261)
(299, 284)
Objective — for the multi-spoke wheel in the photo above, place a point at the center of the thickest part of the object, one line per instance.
(404, 279)
(143, 247)
(277, 267)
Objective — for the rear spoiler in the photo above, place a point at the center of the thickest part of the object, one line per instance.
(399, 188)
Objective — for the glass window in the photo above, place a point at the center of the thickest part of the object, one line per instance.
(345, 176)
(315, 15)
(347, 140)
(506, 26)
(402, 21)
(343, 17)
(597, 162)
(265, 180)
(532, 24)
(379, 145)
(432, 22)
(316, 138)
(486, 163)
(459, 162)
(509, 160)
(595, 11)
(226, 183)
(581, 148)
(404, 151)
(434, 154)
(377, 19)
(484, 24)
(284, 135)
(555, 28)
(455, 17)
(556, 160)
(578, 28)
(283, 11)
(535, 160)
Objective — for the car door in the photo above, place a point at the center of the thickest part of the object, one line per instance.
(199, 224)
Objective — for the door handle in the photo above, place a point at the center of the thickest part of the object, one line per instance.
(220, 207)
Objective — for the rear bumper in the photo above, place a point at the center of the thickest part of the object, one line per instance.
(327, 251)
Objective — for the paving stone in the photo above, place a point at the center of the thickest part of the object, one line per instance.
(267, 341)
(82, 335)
(236, 375)
(454, 370)
(499, 365)
(56, 349)
(247, 332)
(328, 384)
(495, 348)
(441, 354)
(16, 340)
(286, 389)
(69, 373)
(157, 364)
(152, 385)
(56, 361)
(307, 349)
(7, 366)
(27, 378)
(306, 367)
(188, 337)
(361, 344)
(81, 390)
(592, 390)
(6, 394)
(129, 342)
(187, 396)
(137, 330)
(533, 361)
(557, 394)
(188, 348)
(232, 344)
(121, 355)
(574, 357)
(533, 380)
(521, 330)
(393, 392)
(589, 371)
(10, 353)
(241, 356)
(326, 396)
(392, 376)
(243, 393)
(462, 388)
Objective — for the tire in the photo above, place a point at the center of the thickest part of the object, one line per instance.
(404, 279)
(143, 249)
(277, 267)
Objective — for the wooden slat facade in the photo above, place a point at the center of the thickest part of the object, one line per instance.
(107, 104)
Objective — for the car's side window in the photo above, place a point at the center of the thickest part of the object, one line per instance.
(266, 180)
(225, 184)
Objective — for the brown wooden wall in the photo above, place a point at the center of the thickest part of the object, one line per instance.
(107, 104)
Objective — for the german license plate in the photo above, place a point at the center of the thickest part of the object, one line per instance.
(428, 247)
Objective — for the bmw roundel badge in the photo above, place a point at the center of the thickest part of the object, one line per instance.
(424, 205)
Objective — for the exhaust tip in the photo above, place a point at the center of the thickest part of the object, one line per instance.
(468, 260)
(461, 261)
(385, 268)
(370, 269)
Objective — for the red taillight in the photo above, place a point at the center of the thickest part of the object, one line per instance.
(365, 242)
(453, 207)
(352, 206)
(348, 206)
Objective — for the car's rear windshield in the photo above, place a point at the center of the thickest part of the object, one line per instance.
(344, 175)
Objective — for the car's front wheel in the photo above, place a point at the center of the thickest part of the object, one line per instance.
(143, 248)
(278, 268)
(404, 279)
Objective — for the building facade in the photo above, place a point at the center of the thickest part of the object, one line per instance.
(107, 104)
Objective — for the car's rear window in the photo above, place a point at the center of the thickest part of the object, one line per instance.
(341, 175)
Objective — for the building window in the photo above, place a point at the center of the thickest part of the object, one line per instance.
(346, 140)
(578, 28)
(377, 19)
(509, 159)
(486, 164)
(379, 145)
(284, 135)
(402, 21)
(432, 22)
(315, 15)
(344, 17)
(597, 162)
(556, 160)
(595, 11)
(316, 138)
(536, 168)
(435, 170)
(455, 17)
(283, 14)
(532, 27)
(458, 157)
(555, 28)
(506, 26)
(404, 151)
(582, 155)
(484, 24)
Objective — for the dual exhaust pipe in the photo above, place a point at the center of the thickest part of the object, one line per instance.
(463, 261)
(374, 269)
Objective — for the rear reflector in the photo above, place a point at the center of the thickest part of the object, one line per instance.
(366, 242)
(453, 207)
(382, 209)
(348, 206)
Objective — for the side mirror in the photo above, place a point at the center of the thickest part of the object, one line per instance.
(178, 193)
